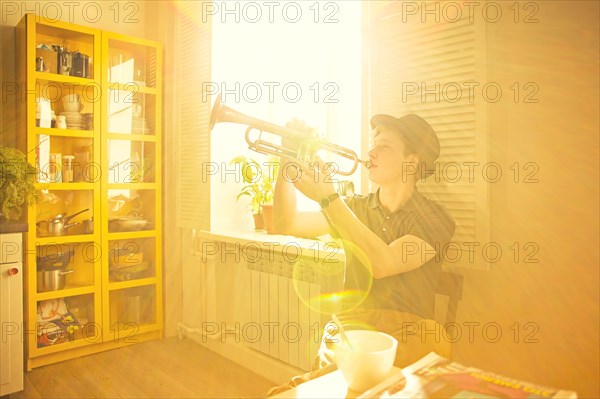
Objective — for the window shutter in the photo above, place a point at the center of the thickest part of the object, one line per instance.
(427, 68)
(193, 66)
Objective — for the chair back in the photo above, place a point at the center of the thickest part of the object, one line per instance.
(451, 286)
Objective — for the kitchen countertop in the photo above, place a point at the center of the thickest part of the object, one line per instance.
(13, 227)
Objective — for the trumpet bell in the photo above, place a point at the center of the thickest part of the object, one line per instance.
(215, 113)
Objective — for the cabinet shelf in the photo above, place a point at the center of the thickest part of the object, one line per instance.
(132, 186)
(57, 240)
(119, 285)
(64, 186)
(132, 87)
(69, 290)
(75, 133)
(132, 137)
(128, 331)
(55, 77)
(132, 234)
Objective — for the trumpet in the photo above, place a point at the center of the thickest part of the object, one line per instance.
(307, 147)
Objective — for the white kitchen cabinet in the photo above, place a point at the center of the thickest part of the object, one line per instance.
(11, 313)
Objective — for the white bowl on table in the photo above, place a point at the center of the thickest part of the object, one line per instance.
(369, 361)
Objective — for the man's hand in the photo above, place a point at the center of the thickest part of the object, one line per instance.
(304, 132)
(316, 181)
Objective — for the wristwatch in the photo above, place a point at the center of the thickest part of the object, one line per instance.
(328, 200)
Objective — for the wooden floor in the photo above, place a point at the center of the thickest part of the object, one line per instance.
(166, 368)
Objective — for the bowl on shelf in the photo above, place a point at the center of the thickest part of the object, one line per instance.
(130, 272)
(127, 224)
(120, 259)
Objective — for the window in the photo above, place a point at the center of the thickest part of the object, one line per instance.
(279, 70)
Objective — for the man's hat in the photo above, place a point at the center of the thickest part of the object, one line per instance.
(418, 135)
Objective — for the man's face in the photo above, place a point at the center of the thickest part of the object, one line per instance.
(390, 165)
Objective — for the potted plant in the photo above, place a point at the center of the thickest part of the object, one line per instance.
(259, 187)
(17, 178)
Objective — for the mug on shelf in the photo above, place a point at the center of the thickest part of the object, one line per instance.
(61, 122)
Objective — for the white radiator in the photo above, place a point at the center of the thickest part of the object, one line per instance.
(261, 299)
(291, 329)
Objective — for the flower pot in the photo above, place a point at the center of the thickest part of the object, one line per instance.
(259, 223)
(267, 212)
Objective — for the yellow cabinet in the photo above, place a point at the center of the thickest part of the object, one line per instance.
(90, 111)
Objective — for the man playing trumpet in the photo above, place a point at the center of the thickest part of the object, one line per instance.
(399, 232)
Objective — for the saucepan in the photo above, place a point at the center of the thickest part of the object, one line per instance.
(52, 280)
(58, 225)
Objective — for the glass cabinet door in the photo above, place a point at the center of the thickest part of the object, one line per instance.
(131, 159)
(60, 65)
(132, 62)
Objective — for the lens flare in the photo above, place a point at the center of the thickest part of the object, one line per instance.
(336, 283)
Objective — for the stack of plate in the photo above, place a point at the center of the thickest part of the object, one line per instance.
(87, 122)
(74, 119)
(139, 125)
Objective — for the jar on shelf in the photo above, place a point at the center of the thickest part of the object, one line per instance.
(55, 168)
(61, 122)
(68, 168)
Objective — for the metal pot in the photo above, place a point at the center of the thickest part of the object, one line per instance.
(52, 280)
(58, 226)
(53, 261)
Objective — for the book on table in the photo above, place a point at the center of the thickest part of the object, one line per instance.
(434, 376)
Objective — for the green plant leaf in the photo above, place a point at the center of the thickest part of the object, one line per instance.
(17, 182)
(260, 181)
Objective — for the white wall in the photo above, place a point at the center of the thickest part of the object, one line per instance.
(558, 295)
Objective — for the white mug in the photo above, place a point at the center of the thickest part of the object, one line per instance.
(61, 122)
